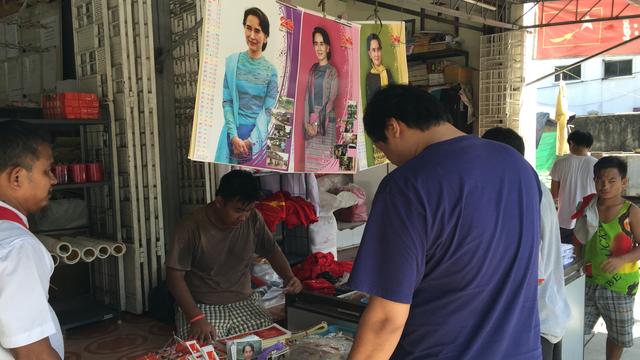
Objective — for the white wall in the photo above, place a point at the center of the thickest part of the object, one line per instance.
(592, 92)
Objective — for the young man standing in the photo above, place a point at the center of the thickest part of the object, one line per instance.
(29, 328)
(553, 306)
(571, 179)
(450, 251)
(209, 259)
(608, 226)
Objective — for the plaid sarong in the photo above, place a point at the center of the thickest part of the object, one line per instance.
(230, 319)
(616, 309)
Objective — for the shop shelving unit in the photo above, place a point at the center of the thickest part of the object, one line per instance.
(104, 278)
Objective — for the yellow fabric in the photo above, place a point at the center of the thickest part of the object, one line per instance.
(382, 71)
(562, 108)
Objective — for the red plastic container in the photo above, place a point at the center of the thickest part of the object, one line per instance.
(95, 172)
(61, 173)
(78, 173)
(71, 105)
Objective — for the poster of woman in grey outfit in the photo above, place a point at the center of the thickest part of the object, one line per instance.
(320, 95)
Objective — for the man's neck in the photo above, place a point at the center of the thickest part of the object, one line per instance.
(580, 152)
(14, 204)
(614, 201)
(214, 216)
(439, 133)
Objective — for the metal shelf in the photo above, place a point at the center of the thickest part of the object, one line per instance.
(439, 54)
(81, 311)
(81, 186)
(59, 122)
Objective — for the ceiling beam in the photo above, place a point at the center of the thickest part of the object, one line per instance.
(415, 13)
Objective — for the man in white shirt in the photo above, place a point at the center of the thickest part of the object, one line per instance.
(572, 179)
(553, 307)
(29, 328)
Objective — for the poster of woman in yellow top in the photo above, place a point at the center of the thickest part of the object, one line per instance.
(383, 61)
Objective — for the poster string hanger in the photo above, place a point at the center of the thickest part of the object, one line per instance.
(322, 4)
(376, 18)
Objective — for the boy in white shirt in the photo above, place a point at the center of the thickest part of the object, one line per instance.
(29, 328)
(572, 179)
(553, 307)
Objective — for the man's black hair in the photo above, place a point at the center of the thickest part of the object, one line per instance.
(249, 345)
(239, 185)
(262, 19)
(580, 138)
(610, 162)
(19, 142)
(325, 38)
(373, 36)
(414, 107)
(506, 136)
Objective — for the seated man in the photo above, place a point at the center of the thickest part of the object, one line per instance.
(209, 260)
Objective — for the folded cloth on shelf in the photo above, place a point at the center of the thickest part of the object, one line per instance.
(321, 286)
(319, 265)
(281, 206)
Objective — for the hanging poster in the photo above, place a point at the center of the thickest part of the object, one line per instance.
(328, 102)
(247, 84)
(383, 61)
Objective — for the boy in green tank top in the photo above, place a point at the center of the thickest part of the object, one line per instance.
(609, 227)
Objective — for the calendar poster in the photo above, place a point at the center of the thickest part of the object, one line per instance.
(247, 84)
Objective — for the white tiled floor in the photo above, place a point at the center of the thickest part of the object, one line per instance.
(595, 348)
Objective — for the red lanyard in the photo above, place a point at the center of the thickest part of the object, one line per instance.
(10, 215)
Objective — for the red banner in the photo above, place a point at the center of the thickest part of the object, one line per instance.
(579, 40)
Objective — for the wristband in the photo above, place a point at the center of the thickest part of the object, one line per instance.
(196, 318)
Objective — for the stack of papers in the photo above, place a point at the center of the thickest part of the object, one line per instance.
(567, 253)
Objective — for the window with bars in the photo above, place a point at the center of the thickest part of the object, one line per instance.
(573, 74)
(616, 68)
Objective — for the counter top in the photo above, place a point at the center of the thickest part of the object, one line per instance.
(572, 271)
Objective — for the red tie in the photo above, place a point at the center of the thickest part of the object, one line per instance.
(10, 215)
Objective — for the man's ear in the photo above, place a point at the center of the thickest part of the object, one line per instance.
(393, 128)
(625, 182)
(219, 201)
(16, 175)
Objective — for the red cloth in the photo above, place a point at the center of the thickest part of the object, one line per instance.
(281, 206)
(318, 263)
(583, 206)
(321, 286)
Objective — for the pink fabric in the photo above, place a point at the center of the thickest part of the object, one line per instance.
(357, 212)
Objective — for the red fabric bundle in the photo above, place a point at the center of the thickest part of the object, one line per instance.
(318, 263)
(321, 286)
(281, 206)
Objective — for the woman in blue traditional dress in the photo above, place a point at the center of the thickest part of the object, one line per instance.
(250, 92)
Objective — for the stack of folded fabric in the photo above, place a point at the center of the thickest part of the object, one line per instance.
(320, 271)
(567, 253)
(293, 210)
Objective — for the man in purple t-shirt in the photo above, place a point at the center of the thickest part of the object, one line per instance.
(450, 251)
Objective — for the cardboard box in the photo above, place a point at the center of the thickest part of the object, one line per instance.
(454, 74)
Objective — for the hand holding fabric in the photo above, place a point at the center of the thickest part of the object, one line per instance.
(203, 331)
(293, 286)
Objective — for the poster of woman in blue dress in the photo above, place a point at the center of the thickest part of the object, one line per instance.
(250, 93)
(246, 84)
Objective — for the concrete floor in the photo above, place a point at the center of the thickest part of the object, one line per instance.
(596, 345)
